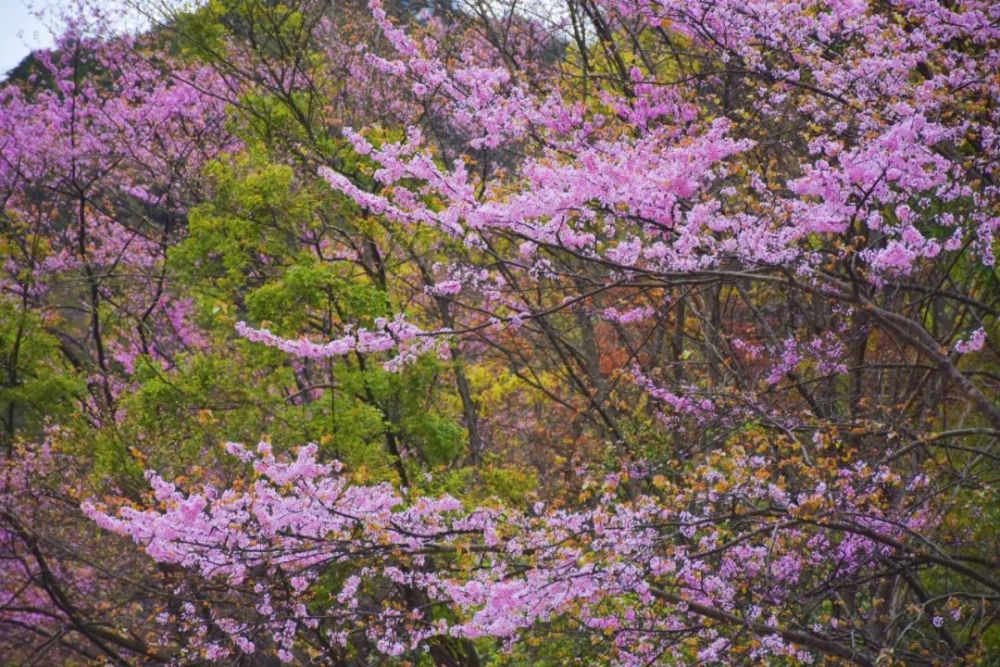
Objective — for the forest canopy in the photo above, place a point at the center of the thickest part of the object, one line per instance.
(485, 332)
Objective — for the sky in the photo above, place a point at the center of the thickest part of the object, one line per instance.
(20, 32)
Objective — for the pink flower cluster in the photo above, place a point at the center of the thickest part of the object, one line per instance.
(635, 570)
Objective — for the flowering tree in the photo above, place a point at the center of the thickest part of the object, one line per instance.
(722, 273)
(99, 154)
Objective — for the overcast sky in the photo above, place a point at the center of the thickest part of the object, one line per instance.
(20, 32)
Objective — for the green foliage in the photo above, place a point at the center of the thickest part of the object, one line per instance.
(248, 255)
(35, 384)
